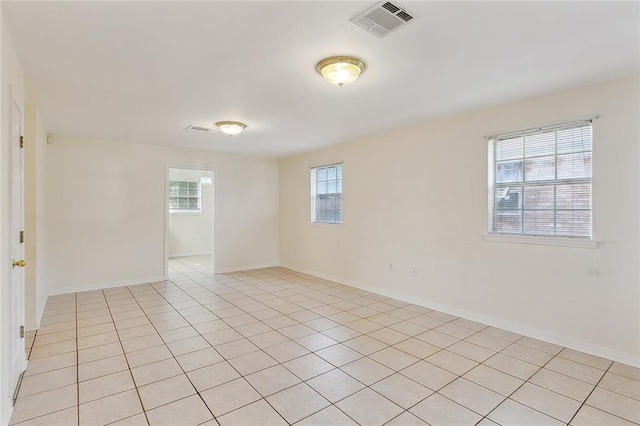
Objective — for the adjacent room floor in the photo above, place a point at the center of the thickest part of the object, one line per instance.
(277, 347)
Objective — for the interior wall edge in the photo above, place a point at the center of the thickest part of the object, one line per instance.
(42, 296)
(34, 325)
(567, 342)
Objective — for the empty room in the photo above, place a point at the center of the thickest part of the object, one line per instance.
(320, 213)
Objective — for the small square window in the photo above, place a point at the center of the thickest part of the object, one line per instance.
(184, 197)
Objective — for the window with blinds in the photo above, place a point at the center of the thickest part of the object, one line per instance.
(184, 196)
(540, 182)
(326, 194)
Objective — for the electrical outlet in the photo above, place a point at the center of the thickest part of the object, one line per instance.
(391, 266)
(414, 270)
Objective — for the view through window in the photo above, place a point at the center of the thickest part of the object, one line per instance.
(540, 182)
(326, 194)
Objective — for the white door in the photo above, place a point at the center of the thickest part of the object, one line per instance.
(17, 361)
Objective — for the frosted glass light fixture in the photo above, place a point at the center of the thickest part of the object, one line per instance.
(340, 70)
(231, 127)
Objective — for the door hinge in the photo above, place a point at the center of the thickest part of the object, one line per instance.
(21, 237)
(21, 141)
(22, 331)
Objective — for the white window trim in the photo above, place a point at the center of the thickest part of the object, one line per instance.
(312, 204)
(547, 240)
(328, 225)
(543, 240)
(186, 212)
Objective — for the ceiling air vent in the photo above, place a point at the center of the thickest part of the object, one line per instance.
(198, 128)
(391, 7)
(383, 19)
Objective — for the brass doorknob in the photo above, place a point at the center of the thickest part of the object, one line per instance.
(19, 263)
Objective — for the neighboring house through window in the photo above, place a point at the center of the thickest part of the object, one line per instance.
(326, 194)
(540, 182)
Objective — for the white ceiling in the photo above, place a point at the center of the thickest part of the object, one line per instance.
(142, 71)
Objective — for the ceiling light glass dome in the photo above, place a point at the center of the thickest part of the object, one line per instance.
(340, 70)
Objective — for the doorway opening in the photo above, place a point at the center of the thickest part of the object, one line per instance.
(189, 242)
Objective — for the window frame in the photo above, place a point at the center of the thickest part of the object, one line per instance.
(186, 211)
(587, 241)
(313, 195)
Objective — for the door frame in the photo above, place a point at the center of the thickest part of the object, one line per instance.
(214, 254)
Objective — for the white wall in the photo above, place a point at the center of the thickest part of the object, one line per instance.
(105, 211)
(419, 197)
(35, 140)
(42, 289)
(30, 215)
(192, 233)
(12, 85)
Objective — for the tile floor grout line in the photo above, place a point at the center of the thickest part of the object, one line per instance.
(278, 364)
(287, 289)
(124, 355)
(365, 386)
(264, 398)
(592, 390)
(24, 422)
(518, 388)
(226, 360)
(174, 357)
(463, 339)
(395, 372)
(381, 327)
(591, 384)
(365, 356)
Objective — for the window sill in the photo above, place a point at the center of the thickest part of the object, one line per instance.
(327, 225)
(185, 212)
(541, 240)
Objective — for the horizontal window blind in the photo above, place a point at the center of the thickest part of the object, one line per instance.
(326, 194)
(540, 182)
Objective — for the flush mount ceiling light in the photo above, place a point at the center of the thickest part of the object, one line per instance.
(340, 70)
(231, 127)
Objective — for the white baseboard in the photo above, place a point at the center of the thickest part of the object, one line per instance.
(189, 254)
(568, 342)
(100, 286)
(246, 267)
(76, 289)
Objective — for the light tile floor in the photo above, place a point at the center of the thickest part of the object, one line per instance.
(276, 347)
